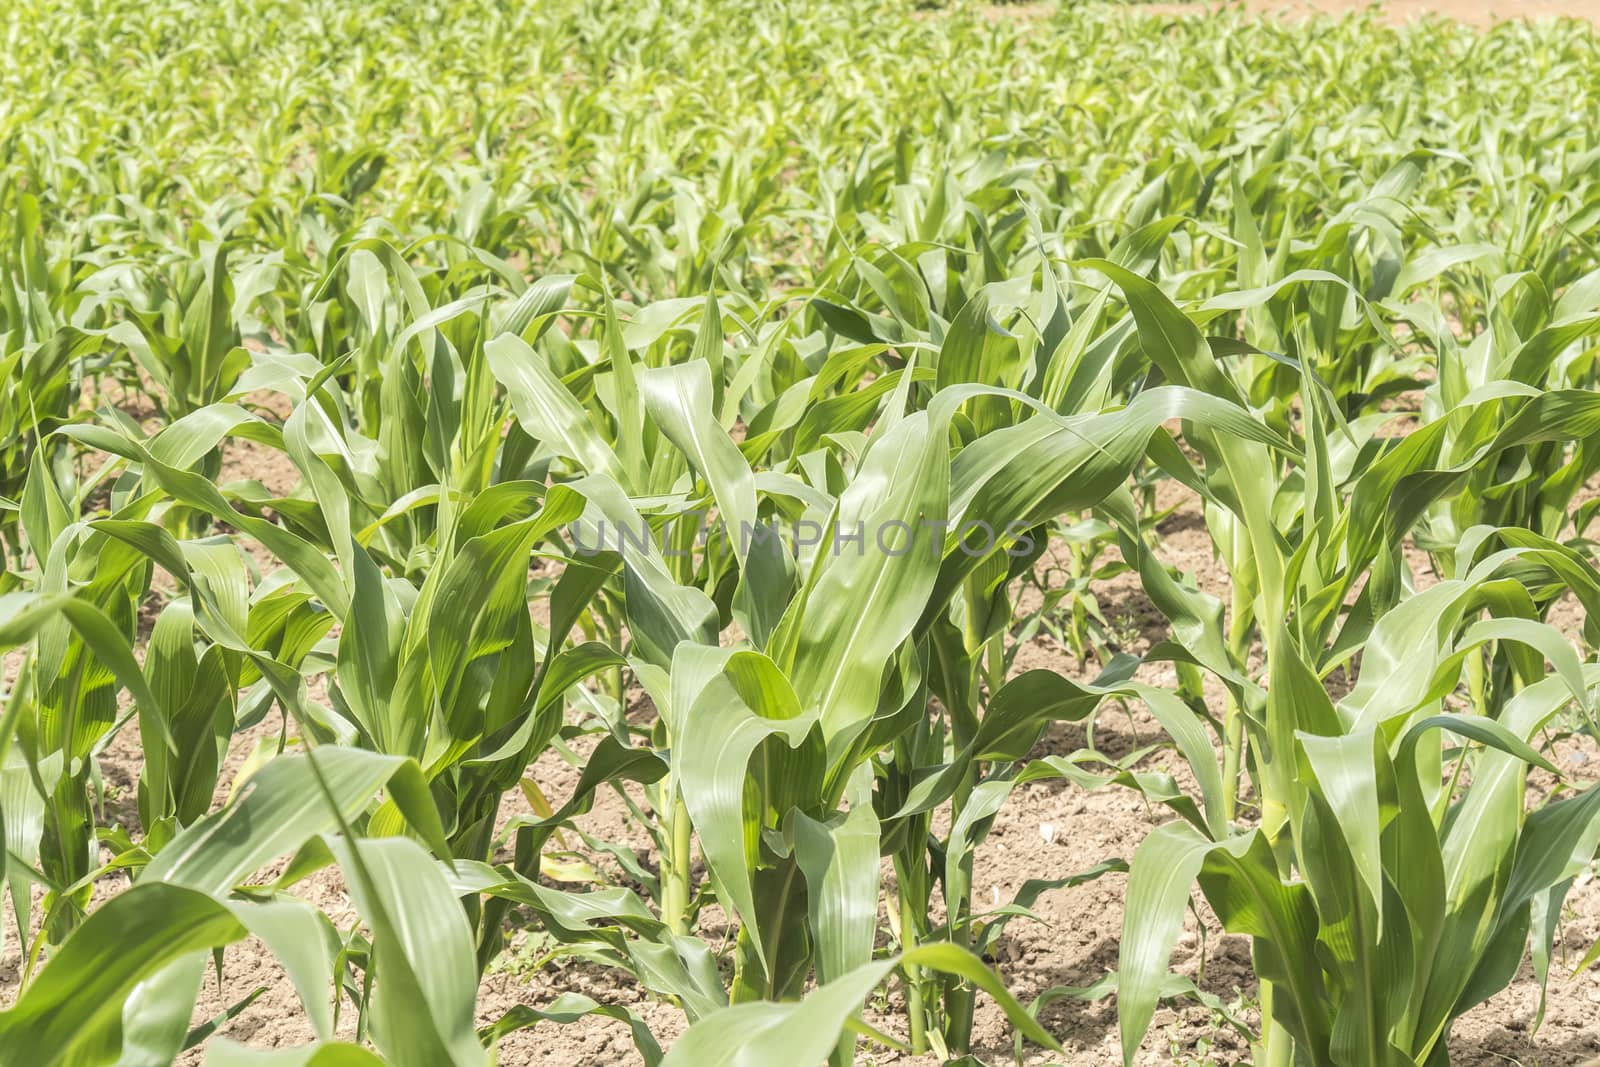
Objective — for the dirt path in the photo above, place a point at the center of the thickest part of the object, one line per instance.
(1475, 12)
(1395, 12)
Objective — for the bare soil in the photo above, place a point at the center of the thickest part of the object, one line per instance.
(1474, 12)
(1395, 12)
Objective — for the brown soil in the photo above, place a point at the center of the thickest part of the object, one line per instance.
(1395, 12)
(1475, 12)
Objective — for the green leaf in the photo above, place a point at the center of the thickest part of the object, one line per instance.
(283, 805)
(807, 1031)
(72, 1013)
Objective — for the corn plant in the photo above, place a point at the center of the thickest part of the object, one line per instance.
(1312, 759)
(716, 419)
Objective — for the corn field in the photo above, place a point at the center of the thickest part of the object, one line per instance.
(660, 521)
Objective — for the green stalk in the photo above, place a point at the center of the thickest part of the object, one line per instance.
(915, 1009)
(959, 996)
(675, 866)
(1477, 680)
(1077, 632)
(605, 623)
(1233, 712)
(844, 1053)
(995, 662)
(1277, 1045)
(958, 1026)
(675, 860)
(987, 664)
(1232, 755)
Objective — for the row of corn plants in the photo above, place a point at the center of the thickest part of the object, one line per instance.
(614, 410)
